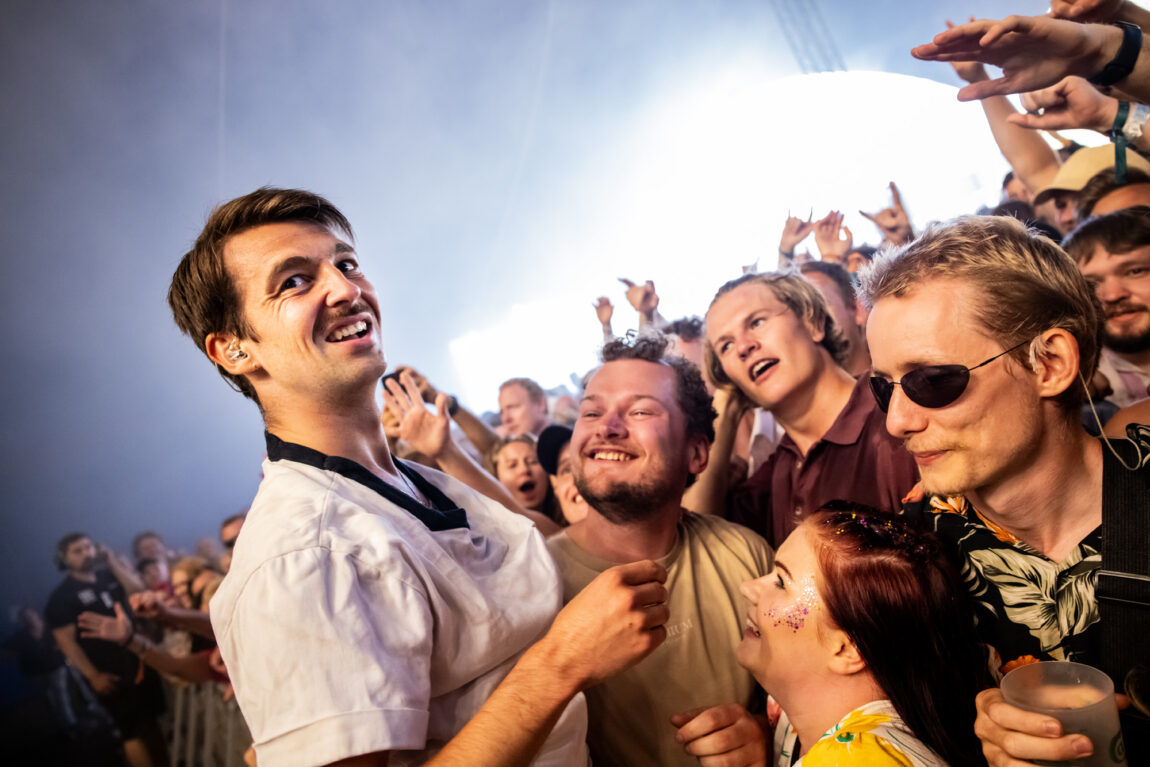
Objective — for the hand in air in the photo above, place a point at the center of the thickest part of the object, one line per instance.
(427, 432)
(642, 297)
(893, 222)
(832, 238)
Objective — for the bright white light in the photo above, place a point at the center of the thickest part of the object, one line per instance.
(702, 184)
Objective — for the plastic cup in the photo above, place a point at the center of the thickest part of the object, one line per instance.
(1080, 697)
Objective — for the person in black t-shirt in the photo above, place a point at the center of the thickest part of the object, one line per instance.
(133, 697)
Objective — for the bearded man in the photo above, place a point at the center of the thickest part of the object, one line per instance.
(644, 430)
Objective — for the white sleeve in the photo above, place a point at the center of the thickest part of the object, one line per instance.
(330, 658)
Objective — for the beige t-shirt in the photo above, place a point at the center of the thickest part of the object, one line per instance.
(630, 713)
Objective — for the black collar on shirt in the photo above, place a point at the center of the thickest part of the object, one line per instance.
(446, 514)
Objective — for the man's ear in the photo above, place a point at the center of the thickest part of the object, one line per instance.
(844, 658)
(817, 330)
(228, 352)
(698, 452)
(1056, 366)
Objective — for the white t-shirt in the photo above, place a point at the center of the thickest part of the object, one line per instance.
(355, 620)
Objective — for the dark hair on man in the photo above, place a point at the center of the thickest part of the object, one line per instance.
(868, 252)
(839, 276)
(690, 391)
(891, 587)
(1103, 183)
(686, 328)
(1119, 232)
(1007, 178)
(1015, 209)
(233, 518)
(534, 391)
(203, 297)
(62, 548)
(140, 538)
(145, 563)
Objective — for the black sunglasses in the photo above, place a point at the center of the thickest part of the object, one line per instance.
(933, 385)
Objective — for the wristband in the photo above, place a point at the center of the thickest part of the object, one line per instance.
(1119, 139)
(786, 253)
(1123, 62)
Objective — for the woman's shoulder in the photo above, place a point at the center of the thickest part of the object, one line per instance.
(873, 734)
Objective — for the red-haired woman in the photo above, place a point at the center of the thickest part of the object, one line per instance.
(862, 635)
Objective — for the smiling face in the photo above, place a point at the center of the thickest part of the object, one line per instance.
(517, 467)
(786, 623)
(1122, 283)
(630, 451)
(992, 431)
(768, 352)
(313, 316)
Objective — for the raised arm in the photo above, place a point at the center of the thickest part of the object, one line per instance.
(429, 434)
(604, 311)
(1036, 52)
(708, 494)
(1100, 11)
(122, 569)
(1030, 157)
(893, 222)
(119, 630)
(150, 605)
(645, 301)
(477, 432)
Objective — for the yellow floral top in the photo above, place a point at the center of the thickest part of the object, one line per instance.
(871, 735)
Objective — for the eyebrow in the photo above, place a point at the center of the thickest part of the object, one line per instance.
(295, 262)
(780, 566)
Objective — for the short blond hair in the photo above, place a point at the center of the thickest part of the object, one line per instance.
(1027, 284)
(800, 296)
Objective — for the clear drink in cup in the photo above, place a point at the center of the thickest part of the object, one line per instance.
(1080, 697)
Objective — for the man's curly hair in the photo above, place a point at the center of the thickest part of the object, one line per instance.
(690, 391)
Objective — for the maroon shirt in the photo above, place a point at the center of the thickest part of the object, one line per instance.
(856, 460)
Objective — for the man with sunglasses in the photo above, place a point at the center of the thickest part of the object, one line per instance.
(983, 336)
(229, 533)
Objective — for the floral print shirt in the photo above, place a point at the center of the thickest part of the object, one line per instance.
(1028, 607)
(871, 735)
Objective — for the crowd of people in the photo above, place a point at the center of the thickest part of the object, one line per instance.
(816, 521)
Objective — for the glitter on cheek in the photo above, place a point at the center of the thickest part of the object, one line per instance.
(795, 616)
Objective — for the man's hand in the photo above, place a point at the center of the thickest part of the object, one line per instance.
(425, 432)
(1093, 11)
(642, 297)
(1033, 51)
(96, 626)
(1072, 103)
(726, 736)
(1009, 734)
(150, 605)
(103, 683)
(426, 390)
(968, 71)
(832, 238)
(604, 310)
(613, 623)
(795, 230)
(893, 221)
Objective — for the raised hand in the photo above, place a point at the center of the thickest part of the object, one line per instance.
(1033, 51)
(722, 735)
(795, 230)
(1072, 103)
(1097, 11)
(149, 605)
(642, 297)
(968, 71)
(426, 390)
(96, 626)
(427, 433)
(832, 238)
(613, 623)
(604, 310)
(893, 221)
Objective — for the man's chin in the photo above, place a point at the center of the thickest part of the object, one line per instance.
(1126, 343)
